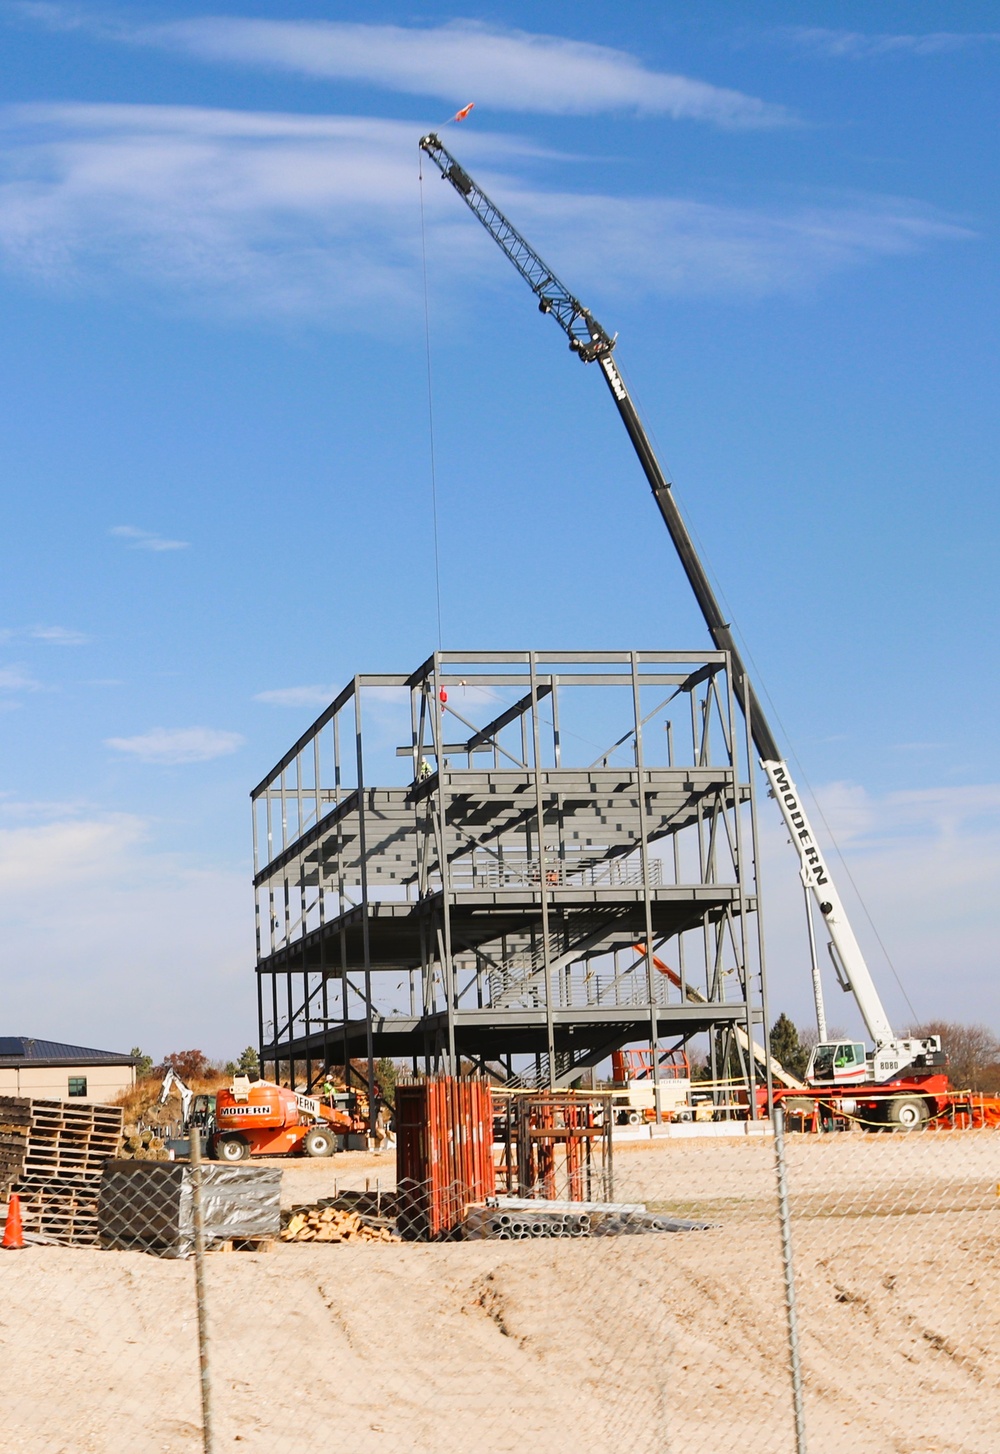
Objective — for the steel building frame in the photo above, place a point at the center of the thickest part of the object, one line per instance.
(511, 895)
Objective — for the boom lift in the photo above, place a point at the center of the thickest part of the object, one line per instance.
(894, 1063)
(259, 1118)
(762, 1057)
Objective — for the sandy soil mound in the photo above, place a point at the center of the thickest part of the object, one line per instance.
(671, 1342)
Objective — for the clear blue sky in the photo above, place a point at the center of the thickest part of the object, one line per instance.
(215, 443)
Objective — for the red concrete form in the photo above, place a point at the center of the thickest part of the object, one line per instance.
(558, 1143)
(444, 1152)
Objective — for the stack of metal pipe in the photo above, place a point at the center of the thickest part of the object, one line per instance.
(516, 1220)
(518, 1226)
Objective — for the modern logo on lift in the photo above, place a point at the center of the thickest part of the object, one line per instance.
(243, 1110)
(796, 817)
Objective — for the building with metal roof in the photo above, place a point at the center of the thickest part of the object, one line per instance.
(53, 1070)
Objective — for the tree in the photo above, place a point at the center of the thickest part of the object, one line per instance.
(143, 1063)
(973, 1053)
(787, 1048)
(385, 1079)
(809, 1037)
(188, 1064)
(248, 1064)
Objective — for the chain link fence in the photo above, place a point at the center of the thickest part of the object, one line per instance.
(658, 1323)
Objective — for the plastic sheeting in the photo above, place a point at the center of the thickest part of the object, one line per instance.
(147, 1206)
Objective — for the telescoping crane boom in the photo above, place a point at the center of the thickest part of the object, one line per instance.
(892, 1057)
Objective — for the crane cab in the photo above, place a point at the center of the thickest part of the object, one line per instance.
(838, 1062)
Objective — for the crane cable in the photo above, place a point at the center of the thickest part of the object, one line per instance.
(430, 406)
(760, 682)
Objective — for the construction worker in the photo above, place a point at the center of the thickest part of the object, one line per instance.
(424, 770)
(328, 1089)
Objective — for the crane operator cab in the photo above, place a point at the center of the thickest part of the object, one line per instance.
(838, 1062)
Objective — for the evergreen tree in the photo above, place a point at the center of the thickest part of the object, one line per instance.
(787, 1048)
(143, 1063)
(385, 1080)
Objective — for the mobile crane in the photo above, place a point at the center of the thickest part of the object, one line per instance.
(900, 1081)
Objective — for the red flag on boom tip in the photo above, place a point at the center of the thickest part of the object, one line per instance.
(461, 115)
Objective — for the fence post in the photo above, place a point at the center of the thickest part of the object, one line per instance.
(794, 1359)
(199, 1283)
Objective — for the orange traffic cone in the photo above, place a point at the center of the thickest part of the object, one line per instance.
(13, 1232)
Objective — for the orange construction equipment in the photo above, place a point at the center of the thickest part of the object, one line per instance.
(13, 1232)
(632, 1064)
(259, 1118)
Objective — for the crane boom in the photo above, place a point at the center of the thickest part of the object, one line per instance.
(593, 344)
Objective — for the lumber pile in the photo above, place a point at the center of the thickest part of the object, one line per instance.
(327, 1223)
(59, 1181)
(15, 1123)
(139, 1145)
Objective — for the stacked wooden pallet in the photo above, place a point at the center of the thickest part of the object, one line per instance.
(333, 1224)
(60, 1178)
(15, 1123)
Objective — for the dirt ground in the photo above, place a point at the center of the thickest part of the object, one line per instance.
(672, 1342)
(304, 1179)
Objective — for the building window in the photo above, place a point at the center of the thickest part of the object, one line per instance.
(78, 1085)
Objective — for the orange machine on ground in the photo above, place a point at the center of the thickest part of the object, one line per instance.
(259, 1118)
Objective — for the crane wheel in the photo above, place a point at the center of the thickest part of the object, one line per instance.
(233, 1148)
(906, 1114)
(319, 1142)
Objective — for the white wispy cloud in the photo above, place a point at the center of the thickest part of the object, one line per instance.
(17, 679)
(58, 635)
(73, 846)
(51, 635)
(926, 861)
(681, 246)
(864, 821)
(317, 216)
(315, 696)
(96, 971)
(146, 539)
(43, 809)
(177, 745)
(859, 45)
(499, 67)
